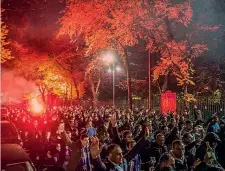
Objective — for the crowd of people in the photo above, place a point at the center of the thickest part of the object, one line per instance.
(116, 139)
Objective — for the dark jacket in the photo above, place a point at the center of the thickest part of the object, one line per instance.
(145, 157)
(76, 153)
(190, 151)
(206, 167)
(156, 151)
(220, 151)
(180, 165)
(121, 141)
(75, 156)
(108, 166)
(171, 137)
(168, 168)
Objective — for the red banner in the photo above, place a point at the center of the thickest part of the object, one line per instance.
(168, 102)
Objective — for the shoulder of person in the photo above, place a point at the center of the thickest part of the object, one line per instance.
(76, 145)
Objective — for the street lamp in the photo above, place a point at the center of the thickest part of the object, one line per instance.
(118, 68)
(110, 59)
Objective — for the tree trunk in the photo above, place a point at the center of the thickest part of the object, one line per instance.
(94, 95)
(95, 100)
(66, 98)
(42, 91)
(95, 91)
(43, 97)
(185, 93)
(129, 93)
(77, 91)
(165, 84)
(158, 86)
(149, 80)
(169, 29)
(71, 92)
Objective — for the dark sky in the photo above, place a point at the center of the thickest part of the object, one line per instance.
(40, 16)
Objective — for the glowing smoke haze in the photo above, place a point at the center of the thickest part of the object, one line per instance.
(14, 87)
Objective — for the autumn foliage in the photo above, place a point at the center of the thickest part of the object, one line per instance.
(71, 57)
(5, 51)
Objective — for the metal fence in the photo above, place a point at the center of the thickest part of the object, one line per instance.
(206, 104)
(203, 103)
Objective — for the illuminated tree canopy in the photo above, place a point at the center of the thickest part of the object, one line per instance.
(5, 51)
(58, 45)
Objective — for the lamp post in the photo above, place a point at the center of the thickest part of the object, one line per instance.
(113, 70)
(110, 59)
(149, 80)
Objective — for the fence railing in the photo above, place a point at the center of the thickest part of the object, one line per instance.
(203, 103)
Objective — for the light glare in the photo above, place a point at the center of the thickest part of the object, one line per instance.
(118, 68)
(36, 107)
(109, 58)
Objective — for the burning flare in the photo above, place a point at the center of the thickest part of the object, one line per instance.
(36, 107)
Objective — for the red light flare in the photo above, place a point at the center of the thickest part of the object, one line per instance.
(36, 107)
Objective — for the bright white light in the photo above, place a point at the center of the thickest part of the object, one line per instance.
(118, 68)
(109, 58)
(109, 70)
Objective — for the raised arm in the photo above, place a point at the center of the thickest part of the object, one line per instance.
(138, 147)
(115, 131)
(66, 138)
(95, 151)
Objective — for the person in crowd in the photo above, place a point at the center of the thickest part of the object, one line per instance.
(172, 123)
(164, 130)
(126, 136)
(197, 114)
(158, 147)
(135, 163)
(166, 163)
(178, 151)
(208, 147)
(206, 163)
(80, 159)
(190, 147)
(74, 138)
(91, 131)
(214, 125)
(173, 135)
(188, 127)
(116, 160)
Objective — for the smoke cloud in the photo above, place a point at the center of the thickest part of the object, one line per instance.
(14, 87)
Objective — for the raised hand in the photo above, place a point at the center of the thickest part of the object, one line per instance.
(113, 120)
(128, 116)
(147, 132)
(196, 163)
(94, 148)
